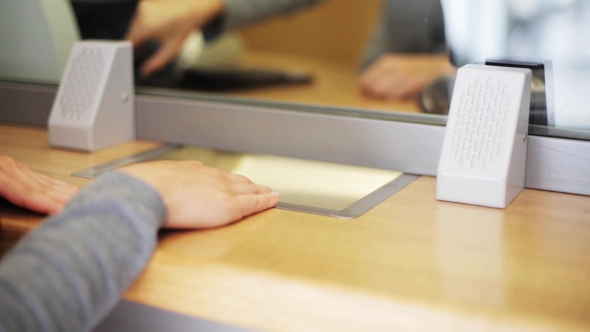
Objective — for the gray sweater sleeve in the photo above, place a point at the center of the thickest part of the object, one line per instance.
(67, 274)
(237, 13)
(241, 13)
(407, 27)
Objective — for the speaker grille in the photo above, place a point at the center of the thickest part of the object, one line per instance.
(82, 82)
(480, 127)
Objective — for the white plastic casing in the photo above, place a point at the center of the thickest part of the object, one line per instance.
(484, 150)
(94, 105)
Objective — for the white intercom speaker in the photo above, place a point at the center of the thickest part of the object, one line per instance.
(484, 150)
(94, 105)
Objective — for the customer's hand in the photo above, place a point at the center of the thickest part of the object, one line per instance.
(198, 196)
(170, 22)
(25, 188)
(395, 76)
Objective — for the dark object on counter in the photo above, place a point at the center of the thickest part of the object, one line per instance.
(236, 78)
(436, 97)
(224, 79)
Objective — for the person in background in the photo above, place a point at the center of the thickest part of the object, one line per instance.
(407, 51)
(68, 273)
(170, 22)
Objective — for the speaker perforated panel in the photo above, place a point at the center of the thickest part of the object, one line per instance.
(479, 130)
(82, 82)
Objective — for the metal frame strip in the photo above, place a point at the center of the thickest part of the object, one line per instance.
(555, 164)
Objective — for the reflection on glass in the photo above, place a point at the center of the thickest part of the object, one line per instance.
(365, 55)
(35, 39)
(533, 31)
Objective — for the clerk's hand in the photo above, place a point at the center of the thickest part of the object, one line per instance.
(37, 192)
(170, 22)
(399, 76)
(197, 196)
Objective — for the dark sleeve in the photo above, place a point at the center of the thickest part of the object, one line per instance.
(241, 13)
(67, 274)
(407, 27)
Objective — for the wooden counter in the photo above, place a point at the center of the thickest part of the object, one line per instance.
(411, 263)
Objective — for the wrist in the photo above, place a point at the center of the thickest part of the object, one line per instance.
(206, 11)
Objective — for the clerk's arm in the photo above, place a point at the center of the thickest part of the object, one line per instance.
(172, 21)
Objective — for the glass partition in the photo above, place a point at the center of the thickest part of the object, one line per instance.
(390, 59)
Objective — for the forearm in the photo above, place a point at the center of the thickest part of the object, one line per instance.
(68, 274)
